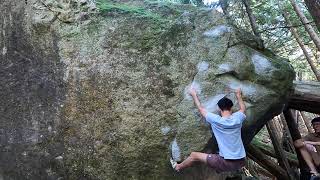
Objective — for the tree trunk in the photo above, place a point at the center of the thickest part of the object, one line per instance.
(269, 150)
(283, 161)
(263, 160)
(288, 135)
(305, 52)
(224, 6)
(261, 171)
(307, 26)
(295, 134)
(251, 18)
(314, 9)
(305, 97)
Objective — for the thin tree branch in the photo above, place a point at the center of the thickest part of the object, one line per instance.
(287, 27)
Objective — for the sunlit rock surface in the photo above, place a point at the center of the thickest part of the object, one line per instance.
(102, 94)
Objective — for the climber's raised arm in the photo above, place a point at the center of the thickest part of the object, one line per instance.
(226, 128)
(201, 109)
(240, 101)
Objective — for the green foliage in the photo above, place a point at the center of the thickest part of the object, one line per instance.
(275, 31)
(193, 2)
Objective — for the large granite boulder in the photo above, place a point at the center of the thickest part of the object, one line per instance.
(98, 91)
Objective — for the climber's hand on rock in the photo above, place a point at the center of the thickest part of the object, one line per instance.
(238, 92)
(192, 91)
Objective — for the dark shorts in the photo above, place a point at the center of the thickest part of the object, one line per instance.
(221, 165)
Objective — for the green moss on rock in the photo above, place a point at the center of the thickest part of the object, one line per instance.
(106, 6)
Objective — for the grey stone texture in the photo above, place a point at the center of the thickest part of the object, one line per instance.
(98, 91)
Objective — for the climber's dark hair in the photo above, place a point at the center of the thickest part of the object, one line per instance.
(225, 104)
(317, 119)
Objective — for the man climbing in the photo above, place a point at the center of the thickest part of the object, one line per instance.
(227, 130)
(307, 147)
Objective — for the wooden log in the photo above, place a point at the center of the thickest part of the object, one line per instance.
(269, 150)
(292, 125)
(283, 161)
(295, 134)
(264, 172)
(257, 170)
(288, 134)
(263, 160)
(305, 96)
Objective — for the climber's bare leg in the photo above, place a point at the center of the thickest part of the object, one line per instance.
(194, 157)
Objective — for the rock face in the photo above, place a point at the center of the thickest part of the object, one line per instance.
(101, 94)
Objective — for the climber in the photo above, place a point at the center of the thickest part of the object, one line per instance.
(306, 146)
(227, 130)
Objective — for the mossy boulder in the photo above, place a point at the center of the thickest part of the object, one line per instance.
(101, 95)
